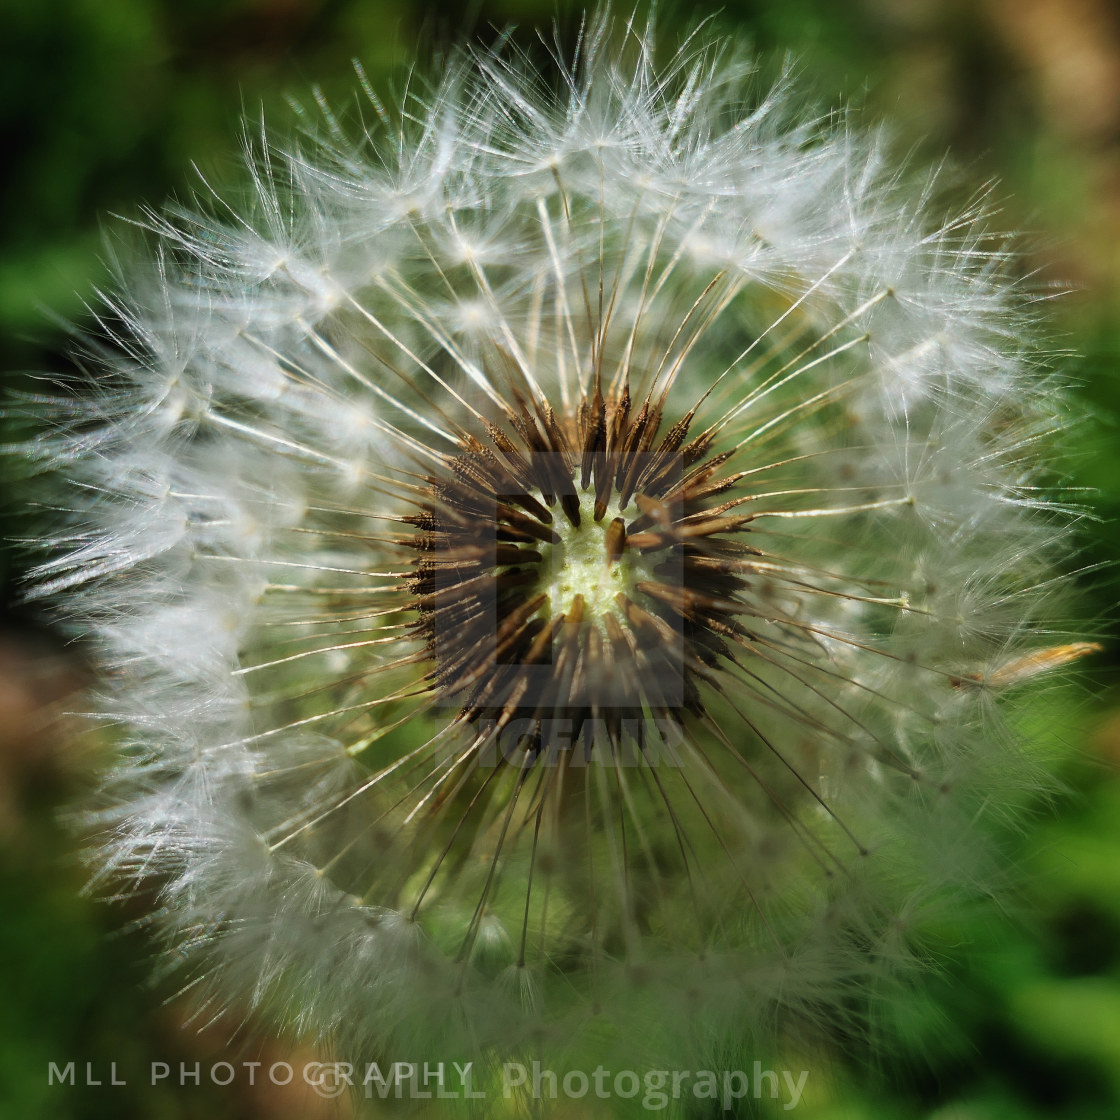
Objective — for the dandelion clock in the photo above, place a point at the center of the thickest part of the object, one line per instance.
(556, 550)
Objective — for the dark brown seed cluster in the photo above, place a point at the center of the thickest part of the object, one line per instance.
(578, 574)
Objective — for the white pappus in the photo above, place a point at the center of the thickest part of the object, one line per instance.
(554, 550)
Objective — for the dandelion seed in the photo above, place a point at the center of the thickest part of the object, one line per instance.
(536, 550)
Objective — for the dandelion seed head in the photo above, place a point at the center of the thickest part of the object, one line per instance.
(555, 559)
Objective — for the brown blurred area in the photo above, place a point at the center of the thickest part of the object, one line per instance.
(1031, 89)
(37, 680)
(1071, 49)
(1069, 52)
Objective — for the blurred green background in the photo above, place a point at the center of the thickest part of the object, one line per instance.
(105, 105)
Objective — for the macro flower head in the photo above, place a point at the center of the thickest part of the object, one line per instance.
(556, 549)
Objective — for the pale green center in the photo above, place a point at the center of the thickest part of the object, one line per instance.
(579, 565)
